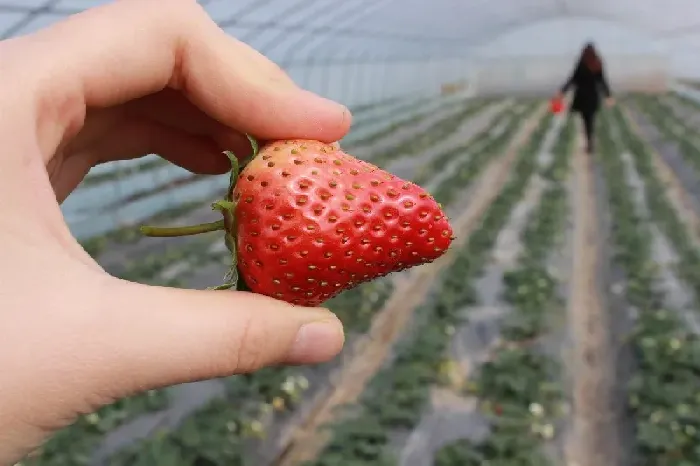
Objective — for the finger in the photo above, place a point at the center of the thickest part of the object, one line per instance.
(108, 136)
(172, 109)
(67, 175)
(199, 154)
(153, 336)
(103, 141)
(131, 48)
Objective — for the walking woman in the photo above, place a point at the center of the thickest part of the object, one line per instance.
(588, 79)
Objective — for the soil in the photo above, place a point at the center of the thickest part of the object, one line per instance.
(594, 437)
(612, 280)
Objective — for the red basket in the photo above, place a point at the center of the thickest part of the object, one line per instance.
(556, 105)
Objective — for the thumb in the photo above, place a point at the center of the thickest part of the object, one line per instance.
(158, 336)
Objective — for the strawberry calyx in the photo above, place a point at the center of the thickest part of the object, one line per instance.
(227, 208)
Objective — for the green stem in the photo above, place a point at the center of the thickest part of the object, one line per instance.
(224, 205)
(183, 231)
(235, 170)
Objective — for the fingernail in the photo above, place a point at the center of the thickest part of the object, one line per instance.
(347, 116)
(317, 342)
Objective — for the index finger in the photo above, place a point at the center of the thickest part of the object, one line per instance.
(131, 48)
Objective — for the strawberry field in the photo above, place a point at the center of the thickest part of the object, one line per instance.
(560, 328)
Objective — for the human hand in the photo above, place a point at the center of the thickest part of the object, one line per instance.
(117, 82)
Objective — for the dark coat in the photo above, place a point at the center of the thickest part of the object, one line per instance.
(588, 85)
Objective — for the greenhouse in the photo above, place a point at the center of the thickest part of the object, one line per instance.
(562, 325)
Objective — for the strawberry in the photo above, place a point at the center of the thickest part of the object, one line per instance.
(305, 221)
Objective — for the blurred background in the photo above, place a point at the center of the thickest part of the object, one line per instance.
(443, 92)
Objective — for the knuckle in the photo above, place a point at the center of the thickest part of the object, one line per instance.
(249, 353)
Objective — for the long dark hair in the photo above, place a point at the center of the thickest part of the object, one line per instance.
(590, 58)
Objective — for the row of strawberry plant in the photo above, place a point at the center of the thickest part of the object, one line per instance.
(685, 100)
(499, 130)
(672, 107)
(102, 213)
(448, 108)
(435, 133)
(74, 445)
(514, 386)
(673, 128)
(395, 397)
(131, 234)
(409, 107)
(661, 209)
(150, 268)
(378, 104)
(683, 113)
(230, 441)
(355, 308)
(469, 169)
(662, 395)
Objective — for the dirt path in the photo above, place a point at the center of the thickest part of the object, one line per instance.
(369, 352)
(677, 195)
(593, 439)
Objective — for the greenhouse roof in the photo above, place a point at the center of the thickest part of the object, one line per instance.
(329, 31)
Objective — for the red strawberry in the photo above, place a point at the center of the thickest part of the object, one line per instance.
(309, 221)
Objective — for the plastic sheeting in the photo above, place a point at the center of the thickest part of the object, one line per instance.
(351, 49)
(294, 30)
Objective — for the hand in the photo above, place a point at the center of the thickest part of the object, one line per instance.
(118, 82)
